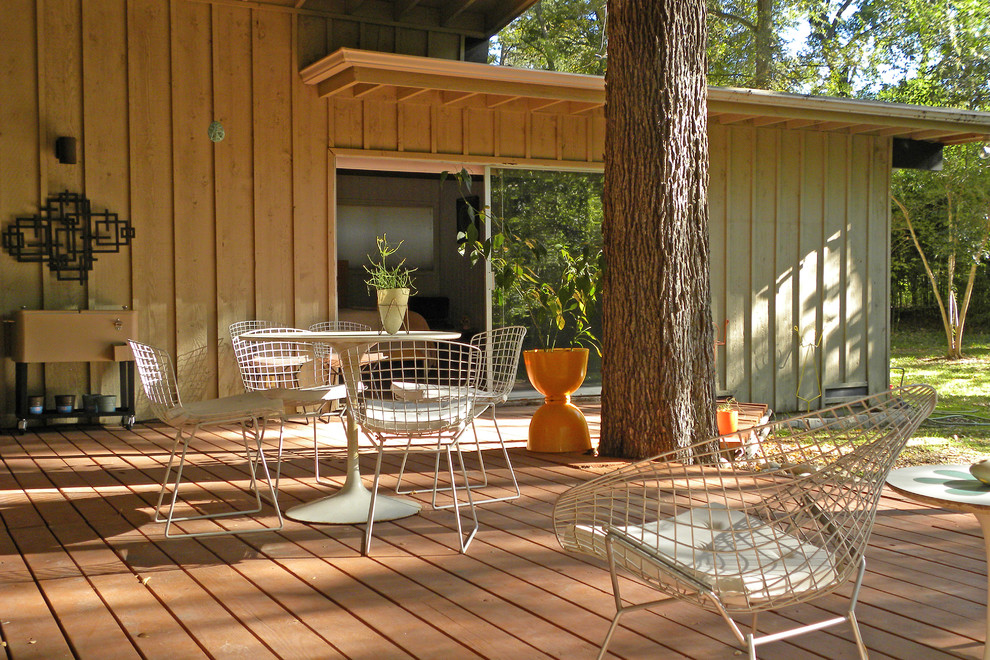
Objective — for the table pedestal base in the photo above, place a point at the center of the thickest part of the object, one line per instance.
(350, 505)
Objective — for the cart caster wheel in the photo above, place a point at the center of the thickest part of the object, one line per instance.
(128, 422)
(22, 426)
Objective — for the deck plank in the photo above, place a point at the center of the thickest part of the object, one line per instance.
(88, 574)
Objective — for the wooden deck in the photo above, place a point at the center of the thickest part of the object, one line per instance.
(86, 573)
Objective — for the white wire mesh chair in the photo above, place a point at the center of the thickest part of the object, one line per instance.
(250, 411)
(439, 406)
(500, 351)
(238, 328)
(326, 368)
(282, 369)
(736, 534)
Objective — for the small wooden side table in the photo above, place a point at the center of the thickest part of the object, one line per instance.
(949, 487)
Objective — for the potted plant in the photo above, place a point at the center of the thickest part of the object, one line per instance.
(727, 416)
(392, 283)
(557, 287)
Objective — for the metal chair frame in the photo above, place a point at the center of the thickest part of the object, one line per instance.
(742, 532)
(274, 367)
(442, 416)
(238, 328)
(500, 351)
(157, 374)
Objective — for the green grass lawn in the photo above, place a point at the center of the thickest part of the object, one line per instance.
(959, 429)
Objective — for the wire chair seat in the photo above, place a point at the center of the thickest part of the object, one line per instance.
(250, 410)
(287, 370)
(782, 523)
(399, 399)
(222, 411)
(736, 556)
(421, 417)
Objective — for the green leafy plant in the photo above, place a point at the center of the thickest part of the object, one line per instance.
(559, 294)
(726, 405)
(383, 276)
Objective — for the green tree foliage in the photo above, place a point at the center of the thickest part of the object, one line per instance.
(946, 215)
(556, 35)
(560, 216)
(746, 47)
(924, 52)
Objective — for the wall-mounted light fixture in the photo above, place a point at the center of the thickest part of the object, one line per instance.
(65, 150)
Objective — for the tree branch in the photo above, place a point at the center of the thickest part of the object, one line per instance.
(928, 270)
(749, 25)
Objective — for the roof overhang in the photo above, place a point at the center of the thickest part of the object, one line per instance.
(481, 19)
(350, 73)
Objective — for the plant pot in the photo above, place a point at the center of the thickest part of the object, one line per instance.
(36, 404)
(557, 425)
(106, 403)
(65, 403)
(728, 421)
(392, 307)
(90, 403)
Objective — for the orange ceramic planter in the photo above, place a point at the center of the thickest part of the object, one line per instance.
(728, 421)
(557, 425)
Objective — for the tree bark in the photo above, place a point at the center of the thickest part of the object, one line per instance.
(658, 370)
(763, 44)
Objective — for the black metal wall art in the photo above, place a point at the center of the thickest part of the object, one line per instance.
(66, 234)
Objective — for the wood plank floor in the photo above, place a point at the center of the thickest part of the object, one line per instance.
(86, 573)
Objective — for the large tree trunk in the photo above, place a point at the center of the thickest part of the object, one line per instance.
(658, 371)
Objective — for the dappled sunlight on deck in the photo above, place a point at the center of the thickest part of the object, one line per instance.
(86, 572)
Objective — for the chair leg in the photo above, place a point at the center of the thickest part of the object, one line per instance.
(465, 542)
(165, 480)
(471, 486)
(751, 640)
(402, 472)
(481, 457)
(316, 444)
(620, 609)
(278, 466)
(366, 542)
(257, 433)
(316, 449)
(508, 463)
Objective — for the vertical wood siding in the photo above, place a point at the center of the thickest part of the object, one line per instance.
(799, 227)
(244, 228)
(224, 231)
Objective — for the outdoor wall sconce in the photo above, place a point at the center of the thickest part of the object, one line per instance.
(65, 150)
(66, 234)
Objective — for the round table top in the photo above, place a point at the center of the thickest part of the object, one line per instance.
(946, 486)
(348, 337)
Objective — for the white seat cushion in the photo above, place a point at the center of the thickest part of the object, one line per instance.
(423, 417)
(225, 409)
(741, 558)
(307, 396)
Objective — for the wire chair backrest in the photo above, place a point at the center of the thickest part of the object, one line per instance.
(339, 326)
(238, 328)
(157, 374)
(421, 389)
(804, 489)
(500, 350)
(323, 367)
(270, 364)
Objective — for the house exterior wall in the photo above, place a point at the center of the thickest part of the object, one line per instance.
(244, 227)
(223, 231)
(799, 263)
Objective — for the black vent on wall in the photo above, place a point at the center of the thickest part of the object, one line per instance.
(917, 154)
